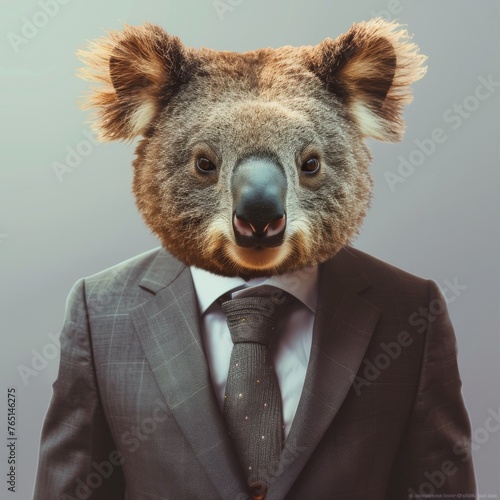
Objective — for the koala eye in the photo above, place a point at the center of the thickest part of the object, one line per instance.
(204, 164)
(311, 166)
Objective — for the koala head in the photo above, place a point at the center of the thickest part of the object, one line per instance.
(253, 163)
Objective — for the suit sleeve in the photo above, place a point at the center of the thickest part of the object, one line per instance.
(434, 457)
(77, 458)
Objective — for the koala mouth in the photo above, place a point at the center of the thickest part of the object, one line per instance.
(259, 236)
(258, 258)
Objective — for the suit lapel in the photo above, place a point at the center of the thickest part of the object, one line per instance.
(168, 330)
(342, 331)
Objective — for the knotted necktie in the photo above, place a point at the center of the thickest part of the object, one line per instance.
(252, 402)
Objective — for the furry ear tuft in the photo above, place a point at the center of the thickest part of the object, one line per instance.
(138, 70)
(372, 66)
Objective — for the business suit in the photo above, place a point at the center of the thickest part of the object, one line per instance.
(132, 356)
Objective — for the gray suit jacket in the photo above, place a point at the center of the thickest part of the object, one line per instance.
(134, 416)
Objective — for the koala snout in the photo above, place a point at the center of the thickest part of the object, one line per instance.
(259, 194)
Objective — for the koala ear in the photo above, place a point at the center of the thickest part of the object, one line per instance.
(372, 66)
(139, 69)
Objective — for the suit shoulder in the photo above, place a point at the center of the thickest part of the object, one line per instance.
(133, 268)
(385, 274)
(121, 282)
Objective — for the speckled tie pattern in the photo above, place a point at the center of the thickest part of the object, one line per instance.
(252, 402)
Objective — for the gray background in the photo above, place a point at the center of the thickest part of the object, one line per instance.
(442, 222)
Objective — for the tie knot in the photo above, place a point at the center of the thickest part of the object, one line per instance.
(254, 319)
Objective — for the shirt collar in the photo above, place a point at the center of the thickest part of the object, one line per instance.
(302, 284)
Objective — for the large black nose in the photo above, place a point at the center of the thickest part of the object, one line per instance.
(259, 194)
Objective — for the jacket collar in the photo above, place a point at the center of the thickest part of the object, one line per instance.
(301, 284)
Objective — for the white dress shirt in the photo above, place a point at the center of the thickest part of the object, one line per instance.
(293, 348)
